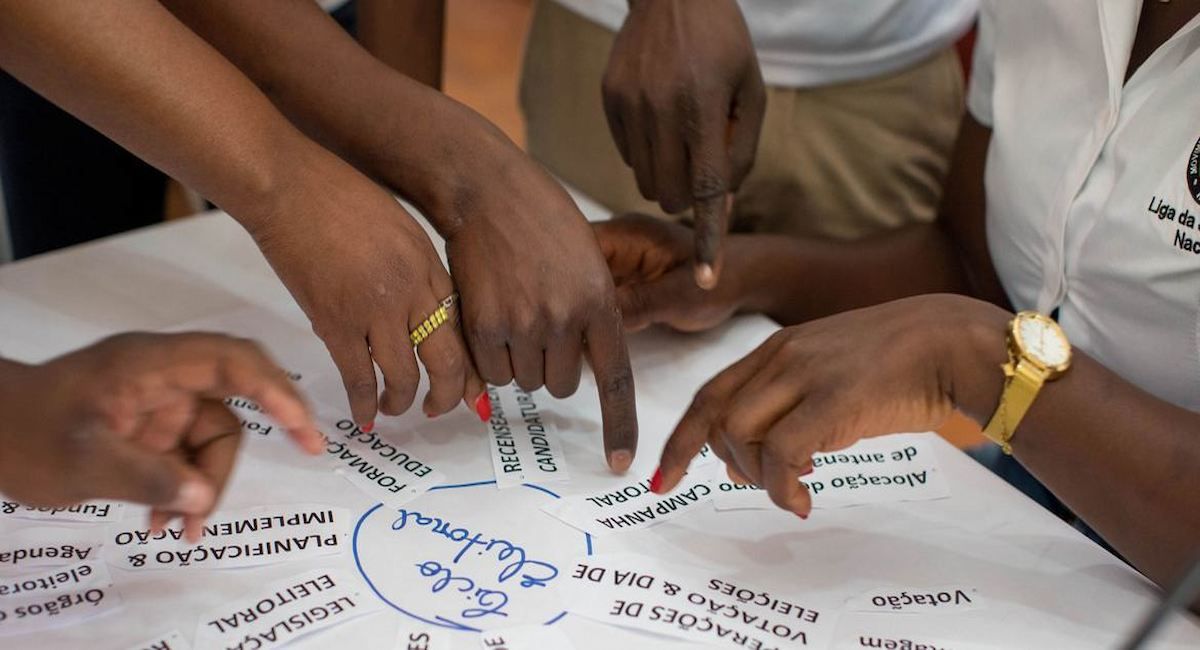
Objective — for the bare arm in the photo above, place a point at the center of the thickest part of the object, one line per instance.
(535, 295)
(336, 240)
(397, 130)
(405, 34)
(134, 72)
(1119, 457)
(796, 280)
(863, 363)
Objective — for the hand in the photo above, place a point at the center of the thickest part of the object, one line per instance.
(139, 417)
(366, 275)
(685, 101)
(536, 294)
(822, 386)
(648, 260)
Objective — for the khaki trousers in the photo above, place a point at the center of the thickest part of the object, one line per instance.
(840, 161)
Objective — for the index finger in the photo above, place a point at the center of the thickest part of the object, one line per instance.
(240, 367)
(705, 411)
(711, 171)
(614, 382)
(249, 372)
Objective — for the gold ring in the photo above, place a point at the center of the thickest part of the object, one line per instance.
(433, 321)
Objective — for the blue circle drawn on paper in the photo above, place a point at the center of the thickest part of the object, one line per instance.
(439, 622)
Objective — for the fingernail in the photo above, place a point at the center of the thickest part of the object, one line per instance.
(483, 407)
(656, 481)
(802, 515)
(619, 460)
(807, 472)
(705, 278)
(368, 427)
(315, 444)
(193, 497)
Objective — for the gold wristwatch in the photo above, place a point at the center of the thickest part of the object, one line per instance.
(1038, 352)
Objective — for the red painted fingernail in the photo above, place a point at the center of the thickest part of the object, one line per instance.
(656, 481)
(802, 515)
(368, 427)
(483, 407)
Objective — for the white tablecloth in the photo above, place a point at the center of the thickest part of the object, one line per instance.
(1046, 586)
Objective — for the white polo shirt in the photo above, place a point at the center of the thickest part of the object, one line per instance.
(1093, 184)
(808, 43)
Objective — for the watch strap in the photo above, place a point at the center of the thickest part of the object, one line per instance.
(1023, 381)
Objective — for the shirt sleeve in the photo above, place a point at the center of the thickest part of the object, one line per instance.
(979, 93)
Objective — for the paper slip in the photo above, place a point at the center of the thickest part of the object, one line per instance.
(945, 599)
(900, 467)
(57, 598)
(525, 447)
(380, 469)
(36, 547)
(632, 506)
(878, 637)
(90, 512)
(423, 637)
(252, 537)
(526, 637)
(692, 603)
(283, 611)
(172, 640)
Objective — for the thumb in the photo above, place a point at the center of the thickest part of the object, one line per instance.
(129, 472)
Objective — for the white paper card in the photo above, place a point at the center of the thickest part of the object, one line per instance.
(90, 512)
(469, 558)
(524, 445)
(921, 600)
(36, 547)
(692, 603)
(242, 538)
(172, 640)
(383, 471)
(631, 506)
(423, 637)
(526, 637)
(57, 598)
(901, 467)
(878, 635)
(284, 611)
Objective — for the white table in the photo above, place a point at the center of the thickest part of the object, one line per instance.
(1046, 586)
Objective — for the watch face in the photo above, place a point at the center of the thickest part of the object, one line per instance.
(1043, 340)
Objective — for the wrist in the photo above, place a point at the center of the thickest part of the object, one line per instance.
(301, 174)
(438, 163)
(973, 350)
(263, 195)
(767, 271)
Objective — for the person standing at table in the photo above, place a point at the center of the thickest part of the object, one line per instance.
(857, 116)
(1074, 191)
(197, 90)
